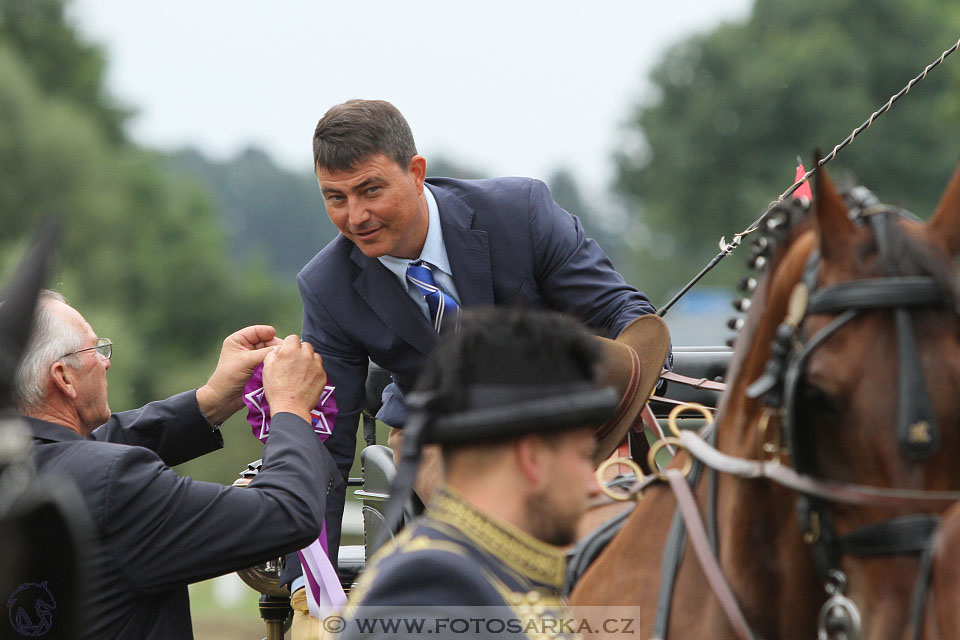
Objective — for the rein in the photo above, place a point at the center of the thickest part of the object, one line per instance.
(846, 493)
(907, 534)
(917, 433)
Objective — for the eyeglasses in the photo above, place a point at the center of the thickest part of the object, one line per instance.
(104, 348)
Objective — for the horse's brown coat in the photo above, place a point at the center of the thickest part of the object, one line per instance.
(761, 550)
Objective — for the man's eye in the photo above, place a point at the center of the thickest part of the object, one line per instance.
(372, 190)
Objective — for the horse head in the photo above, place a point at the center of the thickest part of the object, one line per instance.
(849, 374)
(840, 408)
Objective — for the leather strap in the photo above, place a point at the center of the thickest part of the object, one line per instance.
(896, 536)
(914, 406)
(673, 554)
(653, 424)
(829, 490)
(669, 565)
(921, 588)
(701, 545)
(696, 383)
(876, 293)
(582, 555)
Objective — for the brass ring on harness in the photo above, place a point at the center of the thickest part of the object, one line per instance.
(622, 496)
(680, 408)
(659, 444)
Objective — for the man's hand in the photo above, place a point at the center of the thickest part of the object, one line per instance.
(243, 350)
(293, 378)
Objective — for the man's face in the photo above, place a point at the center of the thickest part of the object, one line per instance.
(570, 483)
(89, 370)
(379, 205)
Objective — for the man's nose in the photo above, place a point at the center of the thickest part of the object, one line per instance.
(357, 213)
(593, 486)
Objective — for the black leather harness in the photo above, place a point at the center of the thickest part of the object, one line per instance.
(917, 432)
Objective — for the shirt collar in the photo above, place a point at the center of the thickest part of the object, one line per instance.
(434, 250)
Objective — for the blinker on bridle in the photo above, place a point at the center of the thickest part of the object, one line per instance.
(917, 431)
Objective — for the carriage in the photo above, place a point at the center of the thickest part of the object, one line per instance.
(810, 506)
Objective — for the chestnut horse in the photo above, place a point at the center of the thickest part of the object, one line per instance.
(845, 381)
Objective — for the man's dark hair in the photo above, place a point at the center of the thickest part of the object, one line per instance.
(508, 348)
(357, 130)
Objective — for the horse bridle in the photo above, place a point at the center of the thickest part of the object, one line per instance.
(917, 431)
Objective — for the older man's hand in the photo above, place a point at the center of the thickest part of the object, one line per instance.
(293, 378)
(242, 351)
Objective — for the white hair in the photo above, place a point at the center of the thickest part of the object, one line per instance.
(51, 337)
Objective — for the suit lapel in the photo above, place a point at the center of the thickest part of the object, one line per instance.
(467, 250)
(383, 294)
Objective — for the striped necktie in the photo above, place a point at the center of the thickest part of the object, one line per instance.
(439, 303)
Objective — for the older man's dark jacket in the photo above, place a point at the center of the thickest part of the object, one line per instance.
(158, 532)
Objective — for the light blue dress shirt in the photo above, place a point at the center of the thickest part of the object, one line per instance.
(434, 252)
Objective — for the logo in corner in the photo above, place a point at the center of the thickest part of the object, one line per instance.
(31, 609)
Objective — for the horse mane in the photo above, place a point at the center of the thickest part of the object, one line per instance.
(788, 247)
(911, 256)
(788, 242)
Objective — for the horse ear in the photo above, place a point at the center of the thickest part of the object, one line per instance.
(945, 223)
(833, 222)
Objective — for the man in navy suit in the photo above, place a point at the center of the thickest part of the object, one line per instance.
(486, 242)
(156, 532)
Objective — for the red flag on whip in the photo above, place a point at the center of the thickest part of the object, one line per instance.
(803, 191)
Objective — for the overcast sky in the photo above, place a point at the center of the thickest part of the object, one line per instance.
(515, 87)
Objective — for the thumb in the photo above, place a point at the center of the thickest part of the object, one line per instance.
(255, 356)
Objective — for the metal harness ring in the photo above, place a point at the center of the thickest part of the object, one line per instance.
(659, 444)
(680, 408)
(630, 494)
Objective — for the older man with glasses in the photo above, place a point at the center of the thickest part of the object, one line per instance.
(158, 532)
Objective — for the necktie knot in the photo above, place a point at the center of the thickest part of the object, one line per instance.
(439, 303)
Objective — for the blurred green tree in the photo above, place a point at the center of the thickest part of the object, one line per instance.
(716, 138)
(267, 213)
(60, 62)
(143, 254)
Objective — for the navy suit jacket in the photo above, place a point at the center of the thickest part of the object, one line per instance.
(158, 532)
(508, 243)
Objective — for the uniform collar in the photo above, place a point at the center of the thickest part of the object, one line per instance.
(536, 560)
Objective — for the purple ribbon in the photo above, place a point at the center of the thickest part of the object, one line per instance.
(324, 593)
(323, 417)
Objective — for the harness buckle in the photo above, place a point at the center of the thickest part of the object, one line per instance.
(839, 617)
(771, 450)
(919, 432)
(812, 534)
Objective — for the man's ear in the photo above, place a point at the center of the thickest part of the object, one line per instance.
(64, 379)
(418, 169)
(532, 460)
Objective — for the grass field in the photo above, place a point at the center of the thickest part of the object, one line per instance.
(225, 609)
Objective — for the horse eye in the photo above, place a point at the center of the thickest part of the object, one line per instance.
(816, 400)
